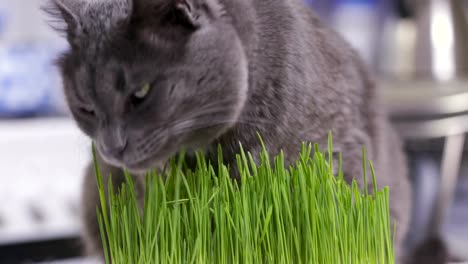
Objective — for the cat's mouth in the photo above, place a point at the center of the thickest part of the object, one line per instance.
(142, 166)
(141, 163)
(147, 163)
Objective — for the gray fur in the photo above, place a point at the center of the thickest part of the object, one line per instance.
(221, 71)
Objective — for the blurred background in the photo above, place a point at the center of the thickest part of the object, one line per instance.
(418, 50)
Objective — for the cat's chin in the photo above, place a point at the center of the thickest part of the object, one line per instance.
(137, 167)
(143, 166)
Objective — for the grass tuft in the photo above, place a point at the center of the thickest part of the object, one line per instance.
(279, 214)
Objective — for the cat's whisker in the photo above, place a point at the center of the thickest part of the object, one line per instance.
(211, 123)
(208, 112)
(195, 122)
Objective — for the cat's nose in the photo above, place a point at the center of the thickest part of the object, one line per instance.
(115, 148)
(113, 143)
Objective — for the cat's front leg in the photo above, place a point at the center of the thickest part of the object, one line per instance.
(90, 201)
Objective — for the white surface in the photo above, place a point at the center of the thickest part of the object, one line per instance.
(41, 167)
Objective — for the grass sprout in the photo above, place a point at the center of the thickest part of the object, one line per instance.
(278, 214)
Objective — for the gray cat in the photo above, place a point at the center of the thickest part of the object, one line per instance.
(145, 78)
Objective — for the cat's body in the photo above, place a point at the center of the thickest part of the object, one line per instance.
(276, 70)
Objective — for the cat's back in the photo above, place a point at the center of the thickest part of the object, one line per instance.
(286, 35)
(264, 21)
(302, 65)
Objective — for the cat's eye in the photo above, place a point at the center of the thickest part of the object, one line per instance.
(140, 95)
(86, 110)
(143, 92)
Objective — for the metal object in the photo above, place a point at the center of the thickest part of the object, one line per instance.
(425, 109)
(452, 156)
(433, 103)
(442, 38)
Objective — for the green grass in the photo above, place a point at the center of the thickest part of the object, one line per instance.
(300, 214)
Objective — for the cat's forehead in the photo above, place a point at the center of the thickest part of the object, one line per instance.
(111, 77)
(94, 78)
(99, 18)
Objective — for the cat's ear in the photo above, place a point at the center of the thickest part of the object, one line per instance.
(189, 13)
(65, 15)
(198, 12)
(87, 19)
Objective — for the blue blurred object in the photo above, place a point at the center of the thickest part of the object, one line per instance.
(359, 21)
(29, 82)
(366, 2)
(321, 7)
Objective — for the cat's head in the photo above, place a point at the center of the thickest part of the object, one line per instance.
(145, 78)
